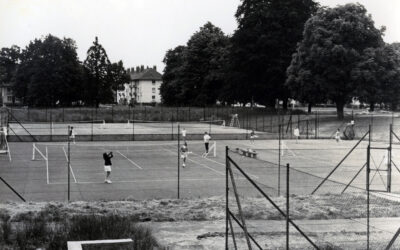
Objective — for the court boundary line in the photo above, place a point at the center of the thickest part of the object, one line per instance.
(141, 181)
(72, 171)
(203, 165)
(133, 163)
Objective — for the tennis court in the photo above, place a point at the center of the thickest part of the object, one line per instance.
(144, 170)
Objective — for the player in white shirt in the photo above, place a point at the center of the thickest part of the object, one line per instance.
(206, 139)
(296, 133)
(183, 134)
(184, 153)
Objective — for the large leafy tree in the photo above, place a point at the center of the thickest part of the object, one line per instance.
(203, 68)
(262, 46)
(49, 72)
(194, 74)
(377, 76)
(118, 76)
(171, 86)
(334, 42)
(9, 60)
(98, 88)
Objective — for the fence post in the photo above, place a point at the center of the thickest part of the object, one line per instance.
(316, 124)
(63, 111)
(112, 113)
(287, 206)
(179, 158)
(226, 197)
(69, 160)
(368, 173)
(279, 161)
(29, 117)
(133, 123)
(51, 126)
(307, 126)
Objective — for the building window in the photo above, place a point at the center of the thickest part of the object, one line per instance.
(153, 82)
(9, 98)
(153, 90)
(153, 97)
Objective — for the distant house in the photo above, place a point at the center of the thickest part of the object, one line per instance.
(144, 87)
(7, 96)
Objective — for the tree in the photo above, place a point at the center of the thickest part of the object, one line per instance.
(49, 72)
(9, 60)
(117, 76)
(98, 87)
(333, 44)
(202, 73)
(377, 76)
(262, 46)
(171, 86)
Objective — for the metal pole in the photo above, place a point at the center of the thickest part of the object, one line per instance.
(368, 173)
(91, 135)
(133, 123)
(389, 177)
(316, 124)
(226, 197)
(51, 126)
(263, 123)
(69, 162)
(307, 127)
(179, 159)
(279, 162)
(112, 113)
(287, 206)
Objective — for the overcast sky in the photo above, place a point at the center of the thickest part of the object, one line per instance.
(139, 32)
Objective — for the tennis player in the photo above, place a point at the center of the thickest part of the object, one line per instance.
(296, 133)
(252, 136)
(206, 139)
(184, 134)
(337, 135)
(107, 166)
(72, 135)
(184, 153)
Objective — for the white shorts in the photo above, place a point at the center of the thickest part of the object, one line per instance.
(184, 155)
(107, 168)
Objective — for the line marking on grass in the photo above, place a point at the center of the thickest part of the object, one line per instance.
(150, 180)
(72, 171)
(203, 165)
(133, 163)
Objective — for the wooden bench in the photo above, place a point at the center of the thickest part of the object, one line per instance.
(247, 152)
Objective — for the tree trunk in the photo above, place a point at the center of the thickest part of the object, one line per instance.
(309, 108)
(371, 107)
(285, 104)
(339, 110)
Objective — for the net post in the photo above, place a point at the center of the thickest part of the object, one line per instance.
(33, 151)
(179, 142)
(133, 123)
(68, 162)
(287, 206)
(47, 165)
(51, 125)
(215, 149)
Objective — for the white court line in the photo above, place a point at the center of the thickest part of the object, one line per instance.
(254, 176)
(145, 181)
(72, 171)
(216, 171)
(134, 164)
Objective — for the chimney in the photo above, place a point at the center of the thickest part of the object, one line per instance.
(137, 69)
(141, 68)
(147, 67)
(155, 67)
(128, 71)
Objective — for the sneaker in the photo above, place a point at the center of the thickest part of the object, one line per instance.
(109, 182)
(183, 165)
(105, 181)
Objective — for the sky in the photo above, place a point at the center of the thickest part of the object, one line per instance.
(139, 32)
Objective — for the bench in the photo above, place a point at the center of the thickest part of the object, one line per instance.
(247, 152)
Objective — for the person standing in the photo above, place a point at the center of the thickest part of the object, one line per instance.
(252, 136)
(337, 135)
(107, 166)
(206, 139)
(72, 134)
(184, 134)
(184, 154)
(296, 133)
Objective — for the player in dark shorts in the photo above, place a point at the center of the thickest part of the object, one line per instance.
(107, 166)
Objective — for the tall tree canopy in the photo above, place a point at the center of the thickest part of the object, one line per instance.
(267, 34)
(194, 74)
(377, 76)
(49, 72)
(171, 86)
(98, 87)
(334, 42)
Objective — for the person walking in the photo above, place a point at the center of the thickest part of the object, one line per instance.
(206, 139)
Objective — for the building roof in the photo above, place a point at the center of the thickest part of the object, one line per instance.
(146, 74)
